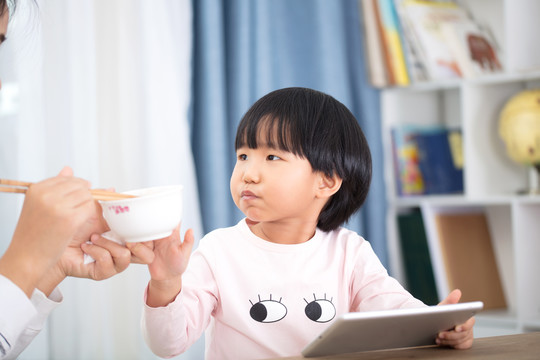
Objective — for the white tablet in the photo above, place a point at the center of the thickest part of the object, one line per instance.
(389, 329)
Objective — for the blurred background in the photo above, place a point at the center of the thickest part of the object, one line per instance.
(137, 93)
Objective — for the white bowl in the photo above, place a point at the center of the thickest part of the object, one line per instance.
(153, 214)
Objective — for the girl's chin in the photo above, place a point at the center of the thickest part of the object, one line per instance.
(251, 222)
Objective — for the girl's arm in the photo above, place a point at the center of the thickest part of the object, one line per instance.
(171, 260)
(179, 301)
(374, 289)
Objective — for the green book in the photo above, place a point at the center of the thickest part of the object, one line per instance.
(416, 259)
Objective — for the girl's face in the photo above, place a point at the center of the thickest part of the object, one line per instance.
(271, 185)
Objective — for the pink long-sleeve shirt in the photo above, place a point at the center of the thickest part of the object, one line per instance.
(257, 299)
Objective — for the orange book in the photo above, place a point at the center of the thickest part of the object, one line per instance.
(469, 258)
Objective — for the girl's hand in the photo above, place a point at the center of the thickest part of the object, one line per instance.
(171, 256)
(461, 337)
(171, 260)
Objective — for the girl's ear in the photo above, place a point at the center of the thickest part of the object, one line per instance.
(328, 185)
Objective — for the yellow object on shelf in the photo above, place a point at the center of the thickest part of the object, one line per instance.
(519, 127)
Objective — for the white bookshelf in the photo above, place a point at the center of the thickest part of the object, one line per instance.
(491, 179)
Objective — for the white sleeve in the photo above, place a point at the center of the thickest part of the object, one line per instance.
(21, 319)
(16, 311)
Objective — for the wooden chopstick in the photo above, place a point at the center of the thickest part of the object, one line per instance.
(12, 189)
(105, 195)
(15, 182)
(16, 186)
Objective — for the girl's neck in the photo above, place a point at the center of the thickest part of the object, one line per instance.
(283, 233)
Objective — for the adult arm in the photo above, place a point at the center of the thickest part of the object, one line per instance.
(26, 317)
(16, 311)
(30, 323)
(52, 212)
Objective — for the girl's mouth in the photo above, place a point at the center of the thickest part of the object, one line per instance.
(247, 195)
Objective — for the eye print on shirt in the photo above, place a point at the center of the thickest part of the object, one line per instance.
(320, 310)
(267, 311)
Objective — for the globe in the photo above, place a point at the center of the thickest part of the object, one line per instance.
(519, 127)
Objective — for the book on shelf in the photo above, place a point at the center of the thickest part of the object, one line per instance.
(473, 47)
(426, 19)
(415, 65)
(391, 77)
(469, 259)
(410, 41)
(416, 257)
(428, 159)
(409, 180)
(440, 160)
(372, 43)
(392, 41)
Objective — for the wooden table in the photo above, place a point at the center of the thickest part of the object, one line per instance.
(510, 347)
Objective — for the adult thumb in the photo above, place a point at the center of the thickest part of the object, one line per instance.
(66, 171)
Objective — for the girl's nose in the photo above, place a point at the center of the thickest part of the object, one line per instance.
(251, 174)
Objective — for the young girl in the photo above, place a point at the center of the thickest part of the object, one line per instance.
(269, 285)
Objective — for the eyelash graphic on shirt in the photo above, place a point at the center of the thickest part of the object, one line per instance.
(267, 311)
(320, 310)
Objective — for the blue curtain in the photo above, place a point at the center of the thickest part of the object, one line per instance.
(244, 49)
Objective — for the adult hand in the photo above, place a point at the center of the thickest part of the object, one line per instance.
(95, 224)
(110, 259)
(461, 337)
(53, 211)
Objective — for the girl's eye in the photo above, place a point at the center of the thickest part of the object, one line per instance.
(273, 157)
(242, 157)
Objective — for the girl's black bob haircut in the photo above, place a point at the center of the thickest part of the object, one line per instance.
(317, 127)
